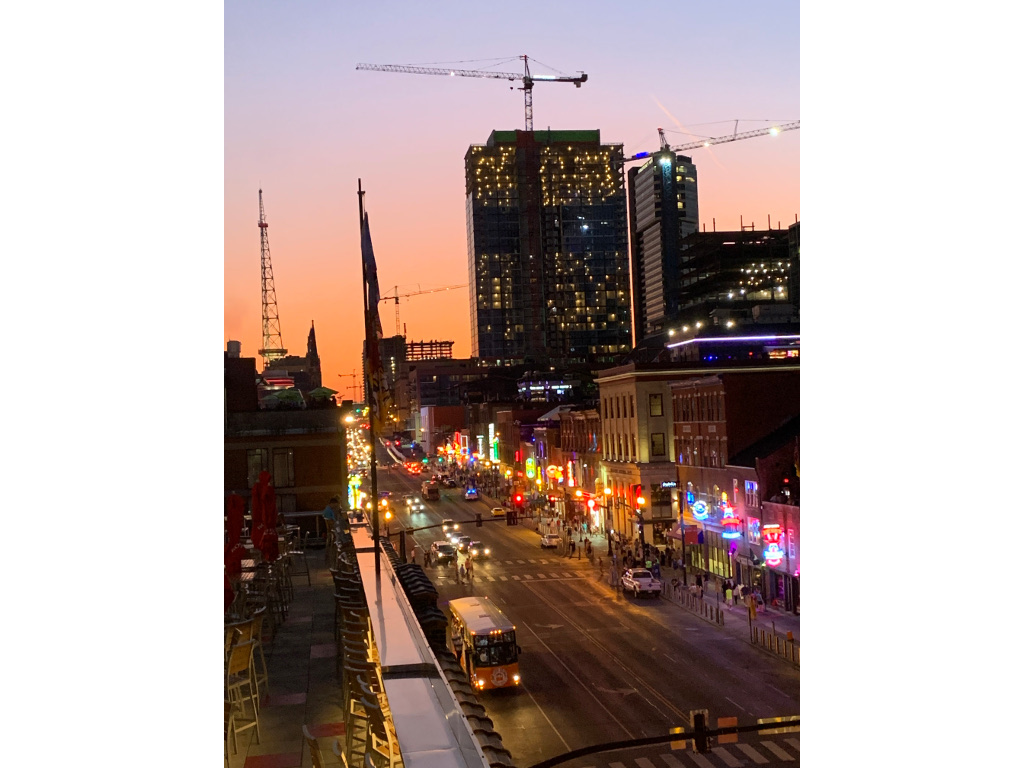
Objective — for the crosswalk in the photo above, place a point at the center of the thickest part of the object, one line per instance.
(776, 751)
(523, 577)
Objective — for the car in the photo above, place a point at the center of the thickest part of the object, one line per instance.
(640, 581)
(450, 483)
(442, 552)
(471, 494)
(414, 503)
(449, 526)
(497, 511)
(550, 540)
(478, 550)
(460, 541)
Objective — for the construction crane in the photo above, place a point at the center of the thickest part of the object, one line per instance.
(527, 79)
(356, 388)
(396, 296)
(774, 130)
(273, 346)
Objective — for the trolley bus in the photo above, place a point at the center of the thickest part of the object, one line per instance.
(484, 641)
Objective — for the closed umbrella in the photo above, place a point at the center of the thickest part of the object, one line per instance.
(233, 549)
(256, 529)
(268, 500)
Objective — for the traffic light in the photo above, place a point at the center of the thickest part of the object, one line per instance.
(519, 499)
(479, 520)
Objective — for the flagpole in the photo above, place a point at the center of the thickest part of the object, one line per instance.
(370, 400)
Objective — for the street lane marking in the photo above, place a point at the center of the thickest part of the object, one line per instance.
(504, 578)
(616, 765)
(521, 562)
(583, 686)
(516, 578)
(777, 689)
(725, 757)
(752, 753)
(737, 705)
(779, 751)
(643, 762)
(540, 575)
(794, 743)
(528, 577)
(671, 762)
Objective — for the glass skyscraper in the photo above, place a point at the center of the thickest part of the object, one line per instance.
(548, 252)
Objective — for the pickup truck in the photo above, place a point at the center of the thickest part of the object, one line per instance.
(640, 581)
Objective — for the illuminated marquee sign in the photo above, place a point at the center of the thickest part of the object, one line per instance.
(772, 534)
(730, 523)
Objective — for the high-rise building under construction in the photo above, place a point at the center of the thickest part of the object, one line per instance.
(662, 211)
(548, 249)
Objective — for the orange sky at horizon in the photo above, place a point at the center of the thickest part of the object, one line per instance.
(406, 136)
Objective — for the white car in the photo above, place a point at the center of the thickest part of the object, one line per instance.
(550, 540)
(415, 504)
(640, 581)
(497, 511)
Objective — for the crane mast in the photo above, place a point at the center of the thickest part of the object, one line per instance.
(273, 346)
(528, 80)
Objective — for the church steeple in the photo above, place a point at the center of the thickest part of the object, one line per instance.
(312, 358)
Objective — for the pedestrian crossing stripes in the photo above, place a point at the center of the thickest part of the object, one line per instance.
(731, 756)
(483, 577)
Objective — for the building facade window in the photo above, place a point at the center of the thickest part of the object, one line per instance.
(631, 411)
(654, 405)
(257, 462)
(658, 444)
(750, 496)
(284, 467)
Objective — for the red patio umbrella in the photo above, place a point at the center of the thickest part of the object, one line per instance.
(256, 528)
(233, 549)
(268, 501)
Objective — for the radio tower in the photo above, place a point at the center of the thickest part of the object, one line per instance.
(273, 347)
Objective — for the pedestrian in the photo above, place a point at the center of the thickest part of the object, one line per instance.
(572, 546)
(415, 554)
(469, 568)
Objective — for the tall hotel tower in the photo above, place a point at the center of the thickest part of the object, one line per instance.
(662, 211)
(548, 253)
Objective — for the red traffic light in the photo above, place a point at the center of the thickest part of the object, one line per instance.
(519, 498)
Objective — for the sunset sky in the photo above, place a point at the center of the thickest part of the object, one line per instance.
(304, 125)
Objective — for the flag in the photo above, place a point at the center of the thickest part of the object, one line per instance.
(378, 396)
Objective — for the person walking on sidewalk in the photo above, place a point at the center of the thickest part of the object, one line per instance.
(572, 546)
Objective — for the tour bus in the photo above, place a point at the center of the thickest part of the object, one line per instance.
(430, 491)
(484, 641)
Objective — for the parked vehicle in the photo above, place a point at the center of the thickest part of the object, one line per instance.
(550, 540)
(640, 581)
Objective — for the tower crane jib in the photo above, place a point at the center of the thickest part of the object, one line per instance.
(528, 80)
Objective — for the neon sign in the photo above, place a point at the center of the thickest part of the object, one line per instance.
(700, 510)
(531, 468)
(773, 537)
(730, 523)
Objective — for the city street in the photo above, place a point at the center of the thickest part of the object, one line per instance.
(597, 666)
